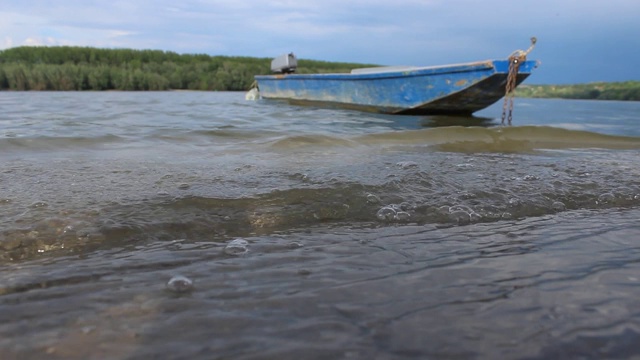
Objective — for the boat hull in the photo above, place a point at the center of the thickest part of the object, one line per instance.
(453, 89)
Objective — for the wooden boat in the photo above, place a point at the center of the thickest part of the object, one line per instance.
(449, 89)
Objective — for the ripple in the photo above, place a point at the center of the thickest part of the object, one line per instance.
(407, 164)
(558, 206)
(605, 198)
(180, 284)
(460, 217)
(386, 213)
(373, 199)
(237, 247)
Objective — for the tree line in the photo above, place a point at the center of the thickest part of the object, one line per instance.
(627, 90)
(73, 68)
(85, 68)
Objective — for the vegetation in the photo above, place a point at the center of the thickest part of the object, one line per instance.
(86, 68)
(628, 90)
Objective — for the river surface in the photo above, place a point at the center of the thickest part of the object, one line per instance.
(198, 225)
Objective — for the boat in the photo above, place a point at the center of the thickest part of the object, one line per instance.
(457, 89)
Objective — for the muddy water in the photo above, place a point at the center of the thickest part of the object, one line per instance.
(199, 225)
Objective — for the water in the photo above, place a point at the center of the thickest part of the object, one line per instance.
(200, 225)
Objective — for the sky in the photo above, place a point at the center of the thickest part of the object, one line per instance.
(579, 41)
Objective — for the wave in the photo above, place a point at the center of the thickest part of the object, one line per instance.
(48, 143)
(469, 139)
(517, 139)
(103, 204)
(298, 141)
(502, 139)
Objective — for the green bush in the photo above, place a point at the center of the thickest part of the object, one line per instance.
(86, 68)
(627, 90)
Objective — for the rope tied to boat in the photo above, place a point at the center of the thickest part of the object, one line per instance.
(254, 92)
(515, 59)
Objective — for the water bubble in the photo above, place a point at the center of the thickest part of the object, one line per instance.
(373, 199)
(11, 243)
(488, 211)
(460, 217)
(636, 197)
(466, 196)
(237, 247)
(406, 206)
(464, 208)
(38, 205)
(407, 164)
(530, 178)
(88, 329)
(386, 213)
(558, 206)
(467, 165)
(300, 176)
(402, 216)
(294, 245)
(332, 212)
(180, 284)
(605, 198)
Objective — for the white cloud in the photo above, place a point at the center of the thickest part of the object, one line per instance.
(412, 32)
(49, 41)
(7, 43)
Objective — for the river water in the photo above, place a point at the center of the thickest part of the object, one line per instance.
(198, 225)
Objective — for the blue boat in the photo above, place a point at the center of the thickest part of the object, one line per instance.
(451, 89)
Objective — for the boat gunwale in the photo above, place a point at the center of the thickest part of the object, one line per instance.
(408, 72)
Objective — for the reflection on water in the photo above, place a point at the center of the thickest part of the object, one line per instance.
(531, 288)
(133, 225)
(441, 120)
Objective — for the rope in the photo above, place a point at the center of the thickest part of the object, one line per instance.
(515, 59)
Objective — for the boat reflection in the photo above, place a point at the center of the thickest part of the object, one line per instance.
(450, 120)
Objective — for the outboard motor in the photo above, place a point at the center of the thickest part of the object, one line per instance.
(284, 64)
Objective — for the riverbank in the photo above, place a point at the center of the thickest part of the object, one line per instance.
(66, 68)
(627, 90)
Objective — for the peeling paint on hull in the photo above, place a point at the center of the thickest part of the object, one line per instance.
(454, 89)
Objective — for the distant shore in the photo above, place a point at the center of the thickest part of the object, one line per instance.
(66, 68)
(625, 91)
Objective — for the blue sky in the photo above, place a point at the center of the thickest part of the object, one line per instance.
(578, 40)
